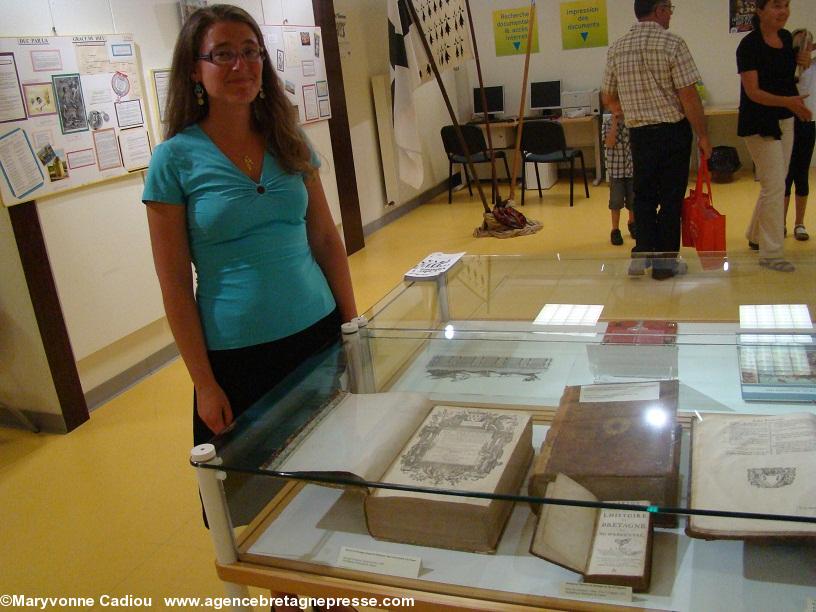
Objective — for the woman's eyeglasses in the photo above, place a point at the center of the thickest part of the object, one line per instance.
(228, 57)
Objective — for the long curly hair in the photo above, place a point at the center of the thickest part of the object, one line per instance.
(273, 116)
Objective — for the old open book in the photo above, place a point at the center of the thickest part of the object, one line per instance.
(402, 439)
(751, 463)
(606, 546)
(620, 441)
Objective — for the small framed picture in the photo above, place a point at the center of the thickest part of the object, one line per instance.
(70, 103)
(281, 62)
(39, 99)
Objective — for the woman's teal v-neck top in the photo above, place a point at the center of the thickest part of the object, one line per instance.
(257, 280)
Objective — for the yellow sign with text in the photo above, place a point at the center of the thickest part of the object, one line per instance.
(584, 24)
(510, 27)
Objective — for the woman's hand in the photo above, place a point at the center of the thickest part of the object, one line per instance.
(796, 105)
(213, 407)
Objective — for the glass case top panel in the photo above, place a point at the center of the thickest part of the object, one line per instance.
(524, 293)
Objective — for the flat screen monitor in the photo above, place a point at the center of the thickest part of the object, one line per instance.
(545, 95)
(493, 95)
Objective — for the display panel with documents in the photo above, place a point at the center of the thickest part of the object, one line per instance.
(405, 453)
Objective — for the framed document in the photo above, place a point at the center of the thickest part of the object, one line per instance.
(129, 113)
(39, 99)
(106, 144)
(19, 165)
(70, 104)
(11, 97)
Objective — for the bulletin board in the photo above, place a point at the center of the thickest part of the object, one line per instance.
(72, 113)
(296, 55)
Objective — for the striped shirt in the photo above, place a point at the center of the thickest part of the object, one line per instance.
(645, 68)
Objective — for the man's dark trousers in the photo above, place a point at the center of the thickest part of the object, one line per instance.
(661, 154)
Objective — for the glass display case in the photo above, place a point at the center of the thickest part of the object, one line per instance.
(540, 433)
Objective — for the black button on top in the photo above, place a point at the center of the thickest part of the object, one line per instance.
(261, 189)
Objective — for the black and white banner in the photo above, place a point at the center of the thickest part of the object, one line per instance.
(444, 23)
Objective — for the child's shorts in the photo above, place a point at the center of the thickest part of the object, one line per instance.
(621, 193)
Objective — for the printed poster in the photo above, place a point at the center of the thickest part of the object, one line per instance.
(740, 14)
(584, 24)
(510, 27)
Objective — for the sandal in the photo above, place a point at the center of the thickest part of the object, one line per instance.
(800, 233)
(777, 264)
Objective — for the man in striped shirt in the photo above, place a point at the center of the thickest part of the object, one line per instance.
(651, 76)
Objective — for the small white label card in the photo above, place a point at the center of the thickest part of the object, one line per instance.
(810, 604)
(620, 392)
(596, 591)
(379, 562)
(433, 265)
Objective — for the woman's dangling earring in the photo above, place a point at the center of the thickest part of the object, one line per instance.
(198, 90)
(261, 93)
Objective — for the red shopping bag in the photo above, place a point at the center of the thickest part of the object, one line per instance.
(703, 225)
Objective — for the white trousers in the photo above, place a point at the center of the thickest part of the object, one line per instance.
(771, 158)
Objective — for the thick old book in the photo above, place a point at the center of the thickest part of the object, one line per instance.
(779, 367)
(403, 439)
(635, 349)
(757, 464)
(620, 441)
(642, 333)
(604, 545)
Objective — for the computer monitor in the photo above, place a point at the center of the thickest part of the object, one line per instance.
(545, 95)
(494, 97)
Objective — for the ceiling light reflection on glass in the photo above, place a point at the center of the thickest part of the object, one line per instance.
(775, 316)
(586, 315)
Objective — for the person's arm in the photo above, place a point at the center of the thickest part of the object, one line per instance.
(693, 109)
(171, 256)
(803, 57)
(795, 104)
(612, 102)
(612, 133)
(328, 249)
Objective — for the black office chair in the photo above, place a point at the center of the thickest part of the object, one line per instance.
(544, 142)
(477, 147)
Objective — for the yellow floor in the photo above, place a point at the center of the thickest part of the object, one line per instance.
(112, 507)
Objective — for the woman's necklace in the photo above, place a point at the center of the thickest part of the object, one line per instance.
(249, 163)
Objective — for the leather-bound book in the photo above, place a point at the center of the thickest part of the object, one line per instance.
(621, 441)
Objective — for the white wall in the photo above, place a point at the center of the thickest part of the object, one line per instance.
(97, 237)
(367, 27)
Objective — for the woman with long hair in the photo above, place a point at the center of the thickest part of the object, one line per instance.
(768, 102)
(234, 190)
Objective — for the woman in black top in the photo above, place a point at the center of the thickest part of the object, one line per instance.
(768, 102)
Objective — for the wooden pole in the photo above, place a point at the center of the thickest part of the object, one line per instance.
(493, 178)
(517, 150)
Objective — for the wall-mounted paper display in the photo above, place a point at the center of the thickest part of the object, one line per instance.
(65, 105)
(297, 58)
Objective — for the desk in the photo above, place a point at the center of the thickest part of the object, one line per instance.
(580, 133)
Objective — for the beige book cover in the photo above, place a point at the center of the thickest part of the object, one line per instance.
(607, 546)
(757, 464)
(457, 449)
(401, 438)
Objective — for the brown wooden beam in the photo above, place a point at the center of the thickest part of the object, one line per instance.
(339, 129)
(47, 309)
